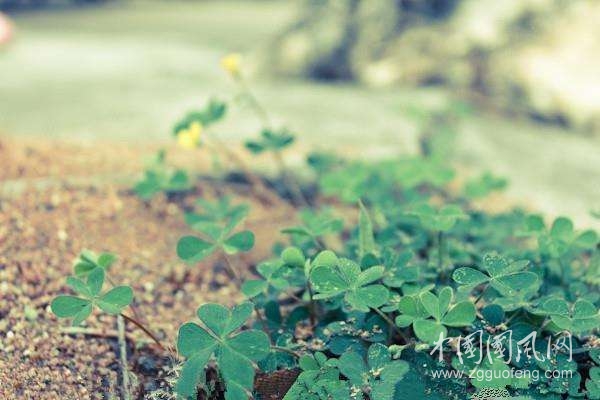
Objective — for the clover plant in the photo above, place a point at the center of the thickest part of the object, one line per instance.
(158, 177)
(216, 225)
(384, 266)
(90, 275)
(236, 352)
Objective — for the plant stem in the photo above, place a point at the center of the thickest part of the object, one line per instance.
(390, 323)
(312, 311)
(144, 329)
(232, 271)
(291, 183)
(132, 305)
(440, 240)
(258, 186)
(285, 350)
(258, 108)
(262, 321)
(123, 357)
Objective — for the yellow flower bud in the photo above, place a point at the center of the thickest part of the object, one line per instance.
(231, 63)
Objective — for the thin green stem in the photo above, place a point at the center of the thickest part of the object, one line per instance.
(390, 323)
(258, 108)
(312, 309)
(257, 185)
(123, 357)
(231, 270)
(262, 321)
(285, 350)
(440, 242)
(289, 181)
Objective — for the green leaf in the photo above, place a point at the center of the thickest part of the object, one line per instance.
(584, 309)
(325, 258)
(215, 317)
(469, 276)
(353, 367)
(253, 287)
(241, 241)
(192, 338)
(105, 260)
(192, 373)
(429, 331)
(293, 256)
(440, 220)
(68, 306)
(79, 286)
(508, 285)
(193, 249)
(239, 315)
(462, 314)
(445, 297)
(116, 299)
(82, 315)
(252, 344)
(378, 356)
(327, 282)
(431, 304)
(493, 314)
(586, 240)
(366, 239)
(237, 372)
(484, 185)
(95, 281)
(562, 228)
(372, 296)
(370, 275)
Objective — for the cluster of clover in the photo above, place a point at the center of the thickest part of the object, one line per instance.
(358, 305)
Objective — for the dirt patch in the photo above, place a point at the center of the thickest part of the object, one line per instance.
(42, 231)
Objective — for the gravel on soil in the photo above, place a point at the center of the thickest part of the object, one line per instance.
(42, 230)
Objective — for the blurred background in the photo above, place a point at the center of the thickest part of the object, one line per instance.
(363, 77)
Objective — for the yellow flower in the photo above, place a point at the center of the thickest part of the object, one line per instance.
(190, 138)
(231, 63)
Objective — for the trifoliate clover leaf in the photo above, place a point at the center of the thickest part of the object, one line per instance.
(270, 140)
(315, 225)
(378, 376)
(220, 212)
(193, 249)
(561, 238)
(236, 352)
(397, 271)
(582, 316)
(484, 185)
(159, 177)
(89, 260)
(349, 183)
(90, 294)
(270, 278)
(212, 112)
(508, 278)
(418, 314)
(319, 380)
(346, 278)
(438, 220)
(416, 171)
(72, 307)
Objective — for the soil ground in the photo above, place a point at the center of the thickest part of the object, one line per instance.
(45, 222)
